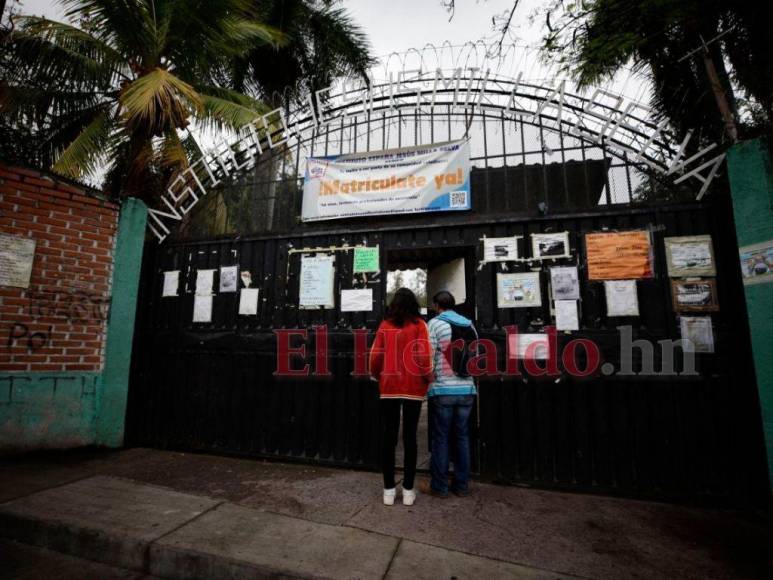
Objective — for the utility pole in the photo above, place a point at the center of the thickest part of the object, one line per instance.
(731, 129)
(719, 95)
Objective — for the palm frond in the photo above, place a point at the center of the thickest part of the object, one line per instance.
(158, 101)
(40, 56)
(236, 35)
(210, 32)
(70, 38)
(341, 42)
(116, 90)
(21, 103)
(232, 111)
(84, 155)
(117, 22)
(192, 147)
(324, 43)
(172, 154)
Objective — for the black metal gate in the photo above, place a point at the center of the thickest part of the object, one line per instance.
(542, 160)
(211, 387)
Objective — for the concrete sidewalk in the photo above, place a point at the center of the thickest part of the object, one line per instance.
(178, 515)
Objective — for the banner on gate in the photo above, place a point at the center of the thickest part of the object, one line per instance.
(395, 181)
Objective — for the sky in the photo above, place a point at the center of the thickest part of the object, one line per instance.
(47, 8)
(394, 26)
(397, 25)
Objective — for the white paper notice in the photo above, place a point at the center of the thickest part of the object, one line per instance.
(565, 283)
(248, 301)
(202, 308)
(317, 276)
(357, 300)
(171, 283)
(698, 331)
(204, 282)
(16, 257)
(228, 278)
(566, 315)
(500, 249)
(622, 299)
(532, 346)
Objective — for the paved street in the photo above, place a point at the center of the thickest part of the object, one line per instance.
(187, 515)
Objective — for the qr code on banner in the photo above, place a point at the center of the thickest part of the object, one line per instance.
(458, 199)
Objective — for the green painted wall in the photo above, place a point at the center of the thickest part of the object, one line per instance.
(751, 181)
(57, 410)
(127, 262)
(47, 410)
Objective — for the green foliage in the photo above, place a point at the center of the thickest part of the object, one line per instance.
(120, 89)
(593, 39)
(323, 44)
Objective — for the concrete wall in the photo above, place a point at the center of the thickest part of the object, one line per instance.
(112, 396)
(751, 179)
(66, 338)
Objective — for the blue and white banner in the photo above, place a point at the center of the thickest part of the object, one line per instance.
(395, 181)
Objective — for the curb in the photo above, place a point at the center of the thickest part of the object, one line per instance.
(86, 543)
(161, 532)
(146, 557)
(168, 534)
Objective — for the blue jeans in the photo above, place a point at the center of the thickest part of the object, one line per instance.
(447, 411)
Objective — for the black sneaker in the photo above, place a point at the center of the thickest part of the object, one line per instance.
(460, 492)
(438, 494)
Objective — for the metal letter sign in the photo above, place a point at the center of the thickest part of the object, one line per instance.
(472, 83)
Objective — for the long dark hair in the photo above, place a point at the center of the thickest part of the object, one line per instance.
(404, 307)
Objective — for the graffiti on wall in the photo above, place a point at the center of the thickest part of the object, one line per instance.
(48, 384)
(74, 306)
(19, 334)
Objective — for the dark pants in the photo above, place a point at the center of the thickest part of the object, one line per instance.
(450, 414)
(390, 426)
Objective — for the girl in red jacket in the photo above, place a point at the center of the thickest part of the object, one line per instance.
(401, 361)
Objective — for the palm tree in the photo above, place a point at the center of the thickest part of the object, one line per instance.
(120, 90)
(695, 86)
(323, 43)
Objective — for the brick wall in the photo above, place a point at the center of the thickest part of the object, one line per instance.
(59, 322)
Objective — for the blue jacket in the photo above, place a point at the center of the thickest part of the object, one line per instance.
(446, 382)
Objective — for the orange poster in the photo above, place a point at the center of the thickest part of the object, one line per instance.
(618, 255)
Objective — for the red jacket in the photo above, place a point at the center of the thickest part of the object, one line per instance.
(401, 360)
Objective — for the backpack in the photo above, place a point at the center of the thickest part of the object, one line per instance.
(463, 348)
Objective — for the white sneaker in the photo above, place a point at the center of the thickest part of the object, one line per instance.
(389, 496)
(409, 496)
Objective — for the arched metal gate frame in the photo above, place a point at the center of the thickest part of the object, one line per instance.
(545, 159)
(348, 117)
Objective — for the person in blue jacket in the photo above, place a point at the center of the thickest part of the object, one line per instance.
(451, 396)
